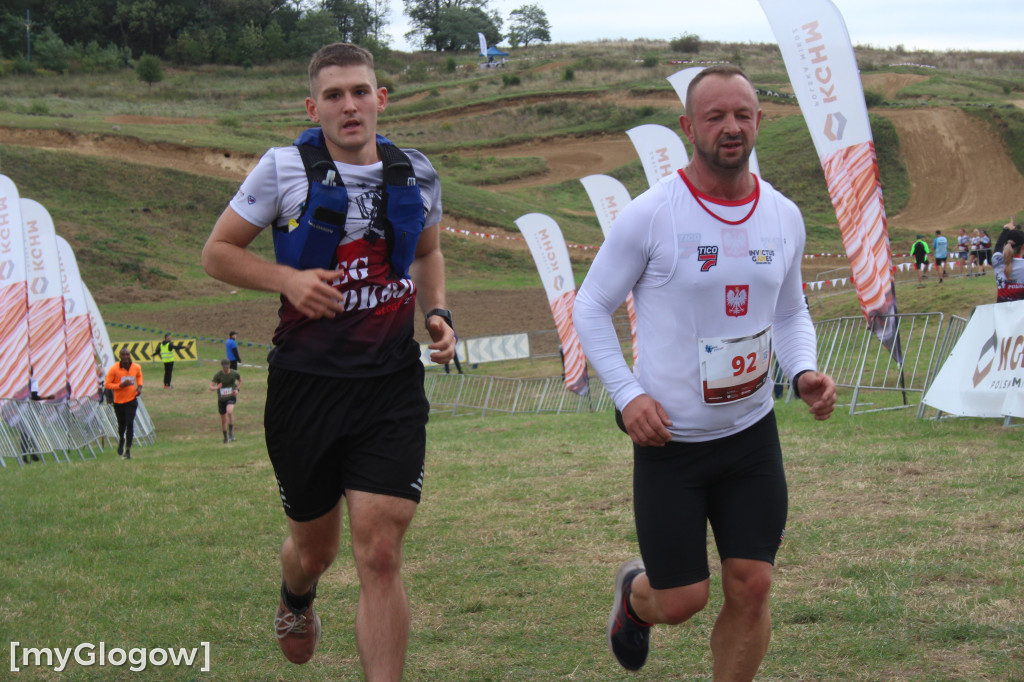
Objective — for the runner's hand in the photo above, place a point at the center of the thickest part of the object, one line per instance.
(819, 391)
(311, 293)
(646, 421)
(443, 337)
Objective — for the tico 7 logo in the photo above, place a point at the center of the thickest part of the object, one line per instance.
(707, 256)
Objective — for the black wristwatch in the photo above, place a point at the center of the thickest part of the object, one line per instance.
(445, 315)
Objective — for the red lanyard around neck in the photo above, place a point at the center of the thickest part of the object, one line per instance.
(698, 195)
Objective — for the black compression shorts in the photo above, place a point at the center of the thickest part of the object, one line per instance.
(737, 483)
(327, 435)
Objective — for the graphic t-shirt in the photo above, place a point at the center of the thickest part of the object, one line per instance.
(373, 335)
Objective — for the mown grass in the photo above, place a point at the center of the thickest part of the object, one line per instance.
(901, 560)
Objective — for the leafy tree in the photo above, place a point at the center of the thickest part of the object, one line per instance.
(528, 23)
(49, 51)
(148, 69)
(95, 59)
(275, 46)
(12, 35)
(78, 22)
(313, 31)
(249, 46)
(451, 24)
(459, 28)
(148, 25)
(190, 47)
(352, 17)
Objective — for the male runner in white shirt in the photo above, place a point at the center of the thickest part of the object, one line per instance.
(712, 255)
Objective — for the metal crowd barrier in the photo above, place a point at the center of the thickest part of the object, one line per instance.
(41, 430)
(847, 350)
(856, 359)
(473, 394)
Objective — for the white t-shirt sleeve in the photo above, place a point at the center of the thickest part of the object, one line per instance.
(274, 190)
(794, 336)
(618, 266)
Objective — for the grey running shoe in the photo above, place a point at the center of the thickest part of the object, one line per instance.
(297, 633)
(629, 640)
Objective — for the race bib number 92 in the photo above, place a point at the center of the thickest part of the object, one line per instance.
(732, 369)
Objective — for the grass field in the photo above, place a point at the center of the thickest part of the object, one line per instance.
(902, 557)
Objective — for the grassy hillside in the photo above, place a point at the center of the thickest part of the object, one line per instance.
(154, 220)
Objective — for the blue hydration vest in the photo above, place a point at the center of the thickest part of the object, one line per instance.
(312, 240)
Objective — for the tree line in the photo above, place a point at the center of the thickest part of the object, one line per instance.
(97, 35)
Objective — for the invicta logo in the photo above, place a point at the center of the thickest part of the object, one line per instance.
(707, 256)
(762, 256)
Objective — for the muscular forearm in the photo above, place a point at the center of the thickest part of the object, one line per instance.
(428, 273)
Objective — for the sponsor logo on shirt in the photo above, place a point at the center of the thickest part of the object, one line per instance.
(707, 256)
(734, 243)
(736, 298)
(762, 256)
(688, 244)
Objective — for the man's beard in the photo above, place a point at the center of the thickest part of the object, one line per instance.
(715, 159)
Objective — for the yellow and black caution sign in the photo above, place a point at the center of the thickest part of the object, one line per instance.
(149, 351)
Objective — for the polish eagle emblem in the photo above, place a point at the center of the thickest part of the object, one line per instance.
(736, 298)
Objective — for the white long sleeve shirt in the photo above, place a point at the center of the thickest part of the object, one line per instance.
(716, 287)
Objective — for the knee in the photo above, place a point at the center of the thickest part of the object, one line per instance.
(749, 591)
(316, 561)
(379, 557)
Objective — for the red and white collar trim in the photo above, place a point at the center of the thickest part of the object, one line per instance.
(704, 200)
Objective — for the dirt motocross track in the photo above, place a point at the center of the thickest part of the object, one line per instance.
(960, 172)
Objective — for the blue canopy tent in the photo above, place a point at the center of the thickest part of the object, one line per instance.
(493, 52)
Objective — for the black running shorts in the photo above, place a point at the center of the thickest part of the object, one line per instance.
(222, 405)
(737, 483)
(326, 435)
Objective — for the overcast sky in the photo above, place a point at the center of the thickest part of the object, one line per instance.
(925, 24)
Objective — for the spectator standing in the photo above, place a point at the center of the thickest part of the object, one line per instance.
(940, 247)
(986, 250)
(963, 247)
(975, 258)
(1008, 266)
(919, 251)
(166, 350)
(231, 347)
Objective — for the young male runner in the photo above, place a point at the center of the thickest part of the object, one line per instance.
(712, 256)
(124, 379)
(226, 382)
(346, 411)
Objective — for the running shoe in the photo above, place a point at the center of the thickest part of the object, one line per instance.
(297, 633)
(629, 640)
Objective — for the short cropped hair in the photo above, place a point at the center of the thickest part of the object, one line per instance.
(724, 70)
(339, 54)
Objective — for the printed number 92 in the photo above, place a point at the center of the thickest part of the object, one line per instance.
(743, 365)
